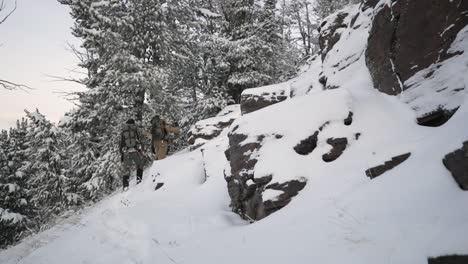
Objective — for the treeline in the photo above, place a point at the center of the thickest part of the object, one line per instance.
(182, 59)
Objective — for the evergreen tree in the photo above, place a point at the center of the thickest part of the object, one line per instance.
(45, 167)
(16, 213)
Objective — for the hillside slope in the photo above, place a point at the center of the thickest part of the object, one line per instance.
(334, 171)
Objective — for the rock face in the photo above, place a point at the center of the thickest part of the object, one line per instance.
(244, 192)
(338, 147)
(250, 101)
(409, 37)
(455, 259)
(388, 165)
(330, 34)
(210, 128)
(457, 163)
(246, 189)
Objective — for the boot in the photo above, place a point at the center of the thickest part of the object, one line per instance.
(139, 175)
(125, 181)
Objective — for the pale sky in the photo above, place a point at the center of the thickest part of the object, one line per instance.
(33, 44)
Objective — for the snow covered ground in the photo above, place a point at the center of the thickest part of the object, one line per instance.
(414, 211)
(404, 216)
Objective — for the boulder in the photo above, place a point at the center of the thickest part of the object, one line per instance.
(453, 259)
(388, 165)
(457, 163)
(256, 99)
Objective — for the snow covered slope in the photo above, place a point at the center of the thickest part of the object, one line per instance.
(343, 213)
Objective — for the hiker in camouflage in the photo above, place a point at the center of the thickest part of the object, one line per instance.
(131, 151)
(160, 131)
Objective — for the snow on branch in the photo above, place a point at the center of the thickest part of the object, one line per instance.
(2, 7)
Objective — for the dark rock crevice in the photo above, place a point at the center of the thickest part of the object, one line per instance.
(457, 163)
(349, 120)
(388, 165)
(289, 189)
(307, 145)
(393, 46)
(338, 147)
(453, 259)
(436, 118)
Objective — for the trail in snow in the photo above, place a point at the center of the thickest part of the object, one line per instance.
(140, 225)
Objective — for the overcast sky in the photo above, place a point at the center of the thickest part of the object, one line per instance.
(33, 45)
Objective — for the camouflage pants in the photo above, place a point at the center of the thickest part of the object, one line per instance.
(160, 149)
(132, 161)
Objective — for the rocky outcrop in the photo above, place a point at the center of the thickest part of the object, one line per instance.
(246, 189)
(210, 128)
(409, 37)
(457, 163)
(330, 34)
(251, 101)
(454, 259)
(388, 165)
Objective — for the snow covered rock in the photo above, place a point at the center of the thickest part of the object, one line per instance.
(330, 32)
(415, 49)
(258, 98)
(457, 163)
(342, 43)
(210, 128)
(264, 144)
(305, 82)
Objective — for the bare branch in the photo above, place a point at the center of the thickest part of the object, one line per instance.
(14, 86)
(2, 7)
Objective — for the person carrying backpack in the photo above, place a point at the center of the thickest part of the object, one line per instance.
(131, 152)
(160, 131)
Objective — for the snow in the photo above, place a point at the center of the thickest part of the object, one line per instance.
(7, 217)
(305, 82)
(208, 13)
(270, 194)
(12, 187)
(404, 216)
